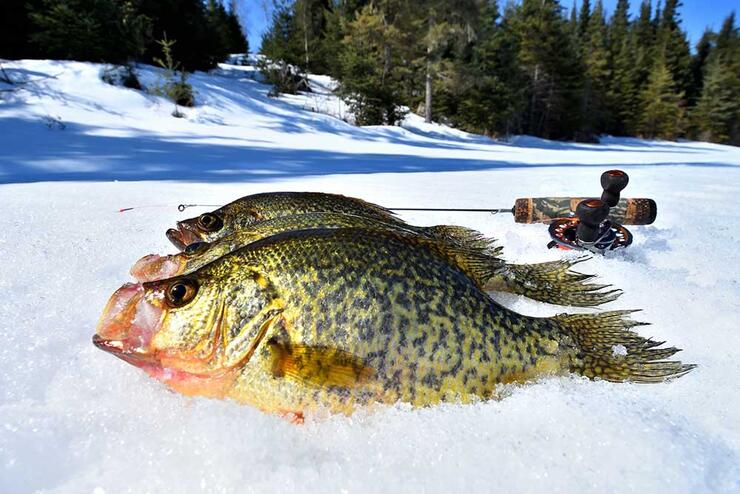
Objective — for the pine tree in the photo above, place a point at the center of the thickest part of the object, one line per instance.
(641, 54)
(548, 57)
(662, 114)
(698, 63)
(674, 45)
(583, 18)
(198, 44)
(485, 93)
(236, 38)
(595, 109)
(621, 92)
(447, 27)
(87, 30)
(717, 114)
(372, 66)
(16, 28)
(573, 23)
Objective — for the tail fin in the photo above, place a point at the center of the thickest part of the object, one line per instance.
(464, 237)
(554, 283)
(605, 348)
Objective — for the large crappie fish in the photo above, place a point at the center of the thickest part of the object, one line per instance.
(550, 282)
(335, 319)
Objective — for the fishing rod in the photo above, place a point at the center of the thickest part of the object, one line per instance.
(596, 225)
(627, 211)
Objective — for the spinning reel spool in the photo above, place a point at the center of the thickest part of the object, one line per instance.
(591, 229)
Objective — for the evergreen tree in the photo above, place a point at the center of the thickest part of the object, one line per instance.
(641, 53)
(662, 114)
(88, 30)
(198, 44)
(484, 92)
(549, 59)
(718, 111)
(621, 93)
(583, 18)
(595, 109)
(717, 114)
(279, 42)
(235, 37)
(446, 30)
(698, 62)
(372, 64)
(727, 38)
(674, 45)
(573, 24)
(16, 28)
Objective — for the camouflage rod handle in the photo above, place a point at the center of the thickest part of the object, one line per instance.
(546, 209)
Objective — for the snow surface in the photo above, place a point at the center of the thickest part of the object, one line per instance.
(74, 150)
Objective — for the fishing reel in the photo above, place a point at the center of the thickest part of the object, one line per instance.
(592, 229)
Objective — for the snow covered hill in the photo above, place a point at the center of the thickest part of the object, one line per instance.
(74, 150)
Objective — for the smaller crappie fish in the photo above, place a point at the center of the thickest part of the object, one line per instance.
(550, 282)
(251, 209)
(197, 254)
(335, 319)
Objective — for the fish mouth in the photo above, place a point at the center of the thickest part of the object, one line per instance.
(116, 348)
(175, 236)
(182, 236)
(154, 267)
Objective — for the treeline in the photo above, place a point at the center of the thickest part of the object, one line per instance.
(120, 31)
(525, 69)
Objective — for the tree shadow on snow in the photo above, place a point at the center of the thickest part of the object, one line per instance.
(136, 156)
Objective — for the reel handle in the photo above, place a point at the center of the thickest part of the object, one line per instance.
(613, 182)
(591, 213)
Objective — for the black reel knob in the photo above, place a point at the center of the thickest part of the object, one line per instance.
(591, 213)
(613, 182)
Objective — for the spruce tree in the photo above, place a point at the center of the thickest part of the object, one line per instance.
(549, 59)
(372, 68)
(661, 110)
(583, 18)
(674, 45)
(717, 114)
(621, 92)
(86, 30)
(486, 90)
(641, 54)
(445, 29)
(16, 28)
(698, 63)
(597, 79)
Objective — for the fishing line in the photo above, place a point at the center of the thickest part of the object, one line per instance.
(183, 207)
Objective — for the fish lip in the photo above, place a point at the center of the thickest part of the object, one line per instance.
(116, 348)
(175, 236)
(183, 235)
(166, 267)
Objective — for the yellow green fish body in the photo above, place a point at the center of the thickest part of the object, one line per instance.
(338, 318)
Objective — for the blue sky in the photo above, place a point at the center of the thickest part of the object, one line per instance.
(696, 15)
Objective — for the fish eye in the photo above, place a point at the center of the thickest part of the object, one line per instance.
(181, 292)
(195, 247)
(210, 222)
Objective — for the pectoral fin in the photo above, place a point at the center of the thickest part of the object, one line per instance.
(318, 366)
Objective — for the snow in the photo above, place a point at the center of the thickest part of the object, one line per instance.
(74, 419)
